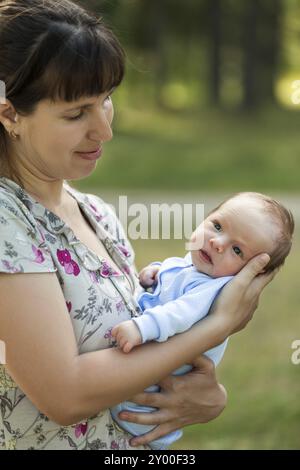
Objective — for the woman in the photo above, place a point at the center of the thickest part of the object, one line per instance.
(67, 272)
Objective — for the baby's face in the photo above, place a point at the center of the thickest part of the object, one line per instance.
(231, 236)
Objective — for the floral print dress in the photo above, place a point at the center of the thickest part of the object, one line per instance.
(35, 240)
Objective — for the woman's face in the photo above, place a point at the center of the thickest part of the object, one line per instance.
(51, 138)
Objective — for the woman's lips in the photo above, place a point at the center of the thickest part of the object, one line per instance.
(205, 257)
(92, 155)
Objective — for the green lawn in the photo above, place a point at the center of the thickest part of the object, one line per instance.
(208, 151)
(263, 410)
(215, 152)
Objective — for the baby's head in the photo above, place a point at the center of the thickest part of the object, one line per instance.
(240, 228)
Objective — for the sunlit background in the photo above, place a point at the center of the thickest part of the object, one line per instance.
(211, 105)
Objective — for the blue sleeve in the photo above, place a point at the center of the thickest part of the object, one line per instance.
(163, 321)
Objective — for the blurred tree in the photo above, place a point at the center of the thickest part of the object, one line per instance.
(215, 13)
(240, 42)
(250, 54)
(107, 8)
(152, 32)
(261, 49)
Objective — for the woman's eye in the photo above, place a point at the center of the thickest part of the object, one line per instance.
(237, 250)
(217, 226)
(75, 117)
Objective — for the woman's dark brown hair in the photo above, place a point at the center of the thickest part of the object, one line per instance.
(56, 50)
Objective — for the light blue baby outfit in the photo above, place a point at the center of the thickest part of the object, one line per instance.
(181, 297)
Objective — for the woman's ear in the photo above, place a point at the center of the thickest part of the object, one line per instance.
(8, 114)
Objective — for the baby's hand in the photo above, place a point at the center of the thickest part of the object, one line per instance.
(148, 276)
(127, 335)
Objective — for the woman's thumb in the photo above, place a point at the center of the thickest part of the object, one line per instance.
(253, 268)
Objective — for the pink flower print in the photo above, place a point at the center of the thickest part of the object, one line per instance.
(114, 445)
(69, 306)
(64, 257)
(120, 306)
(10, 267)
(97, 215)
(124, 250)
(39, 257)
(106, 270)
(108, 333)
(81, 429)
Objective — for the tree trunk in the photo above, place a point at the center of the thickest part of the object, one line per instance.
(261, 48)
(215, 51)
(249, 72)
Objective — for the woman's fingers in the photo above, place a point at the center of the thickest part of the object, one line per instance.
(257, 286)
(156, 433)
(203, 363)
(263, 280)
(156, 400)
(251, 270)
(154, 418)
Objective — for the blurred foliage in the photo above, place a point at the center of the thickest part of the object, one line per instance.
(206, 106)
(221, 44)
(245, 46)
(199, 152)
(186, 120)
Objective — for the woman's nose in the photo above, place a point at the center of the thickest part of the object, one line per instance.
(102, 128)
(217, 244)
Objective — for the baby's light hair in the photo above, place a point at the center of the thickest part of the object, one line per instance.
(284, 220)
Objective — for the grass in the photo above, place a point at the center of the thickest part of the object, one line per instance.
(263, 385)
(214, 152)
(206, 150)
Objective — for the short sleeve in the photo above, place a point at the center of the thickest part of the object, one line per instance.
(22, 245)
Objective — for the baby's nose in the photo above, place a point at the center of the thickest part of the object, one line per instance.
(217, 244)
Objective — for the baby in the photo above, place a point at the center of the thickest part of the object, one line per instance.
(183, 289)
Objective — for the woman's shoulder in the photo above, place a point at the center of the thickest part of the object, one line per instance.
(22, 248)
(11, 206)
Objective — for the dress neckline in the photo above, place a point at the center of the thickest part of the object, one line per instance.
(56, 226)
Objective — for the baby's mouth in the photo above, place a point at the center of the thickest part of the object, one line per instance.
(205, 256)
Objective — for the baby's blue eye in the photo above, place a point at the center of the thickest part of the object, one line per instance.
(237, 250)
(217, 226)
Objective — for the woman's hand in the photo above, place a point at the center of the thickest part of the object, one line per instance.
(239, 298)
(195, 397)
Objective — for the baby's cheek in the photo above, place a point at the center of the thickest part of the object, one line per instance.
(228, 267)
(239, 266)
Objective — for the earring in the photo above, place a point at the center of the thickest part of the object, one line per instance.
(13, 135)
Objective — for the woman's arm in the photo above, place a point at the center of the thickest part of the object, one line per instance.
(42, 355)
(197, 397)
(128, 374)
(43, 359)
(193, 398)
